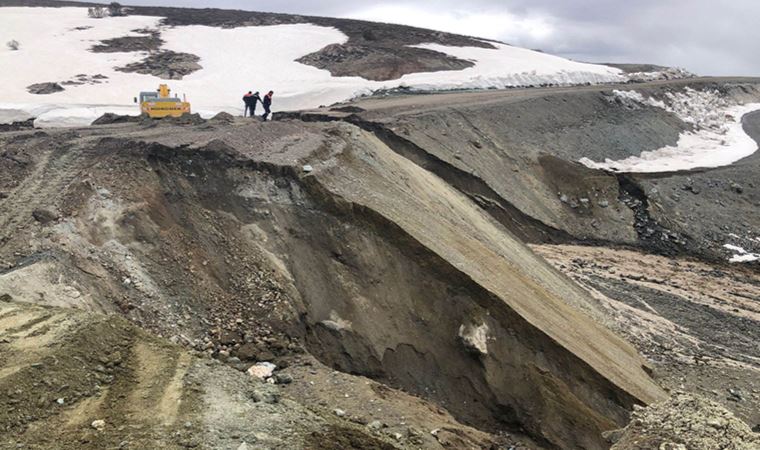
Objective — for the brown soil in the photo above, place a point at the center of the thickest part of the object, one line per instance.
(694, 422)
(344, 439)
(515, 153)
(64, 369)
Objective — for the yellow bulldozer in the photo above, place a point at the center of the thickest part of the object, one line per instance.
(160, 103)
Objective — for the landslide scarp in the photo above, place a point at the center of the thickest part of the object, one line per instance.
(215, 236)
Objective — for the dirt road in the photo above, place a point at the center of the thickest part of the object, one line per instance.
(400, 104)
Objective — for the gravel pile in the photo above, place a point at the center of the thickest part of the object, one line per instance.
(685, 421)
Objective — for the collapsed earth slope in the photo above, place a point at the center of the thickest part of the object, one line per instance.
(386, 238)
(214, 233)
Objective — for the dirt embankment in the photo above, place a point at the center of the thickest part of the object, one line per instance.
(214, 236)
(693, 320)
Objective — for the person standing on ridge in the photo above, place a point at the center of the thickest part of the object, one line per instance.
(267, 102)
(250, 100)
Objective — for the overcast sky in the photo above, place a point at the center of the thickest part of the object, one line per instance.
(709, 37)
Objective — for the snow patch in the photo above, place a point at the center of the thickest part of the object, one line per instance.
(748, 257)
(55, 45)
(741, 255)
(629, 96)
(261, 370)
(717, 137)
(735, 248)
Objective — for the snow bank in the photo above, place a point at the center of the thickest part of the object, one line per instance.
(68, 116)
(669, 73)
(717, 139)
(55, 46)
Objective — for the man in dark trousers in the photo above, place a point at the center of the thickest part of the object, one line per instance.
(267, 102)
(250, 103)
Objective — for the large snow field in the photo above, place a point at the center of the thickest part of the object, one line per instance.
(717, 138)
(53, 50)
(234, 61)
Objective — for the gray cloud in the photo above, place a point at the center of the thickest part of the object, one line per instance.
(705, 36)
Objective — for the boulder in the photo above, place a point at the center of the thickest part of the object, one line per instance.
(262, 370)
(44, 216)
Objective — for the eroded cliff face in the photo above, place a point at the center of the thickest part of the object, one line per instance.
(214, 235)
(509, 318)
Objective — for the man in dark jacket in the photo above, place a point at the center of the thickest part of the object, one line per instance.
(250, 103)
(267, 102)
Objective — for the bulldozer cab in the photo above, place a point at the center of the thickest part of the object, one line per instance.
(147, 96)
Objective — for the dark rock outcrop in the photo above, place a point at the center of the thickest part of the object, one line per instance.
(109, 118)
(165, 64)
(44, 88)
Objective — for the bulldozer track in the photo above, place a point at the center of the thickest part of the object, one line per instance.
(53, 173)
